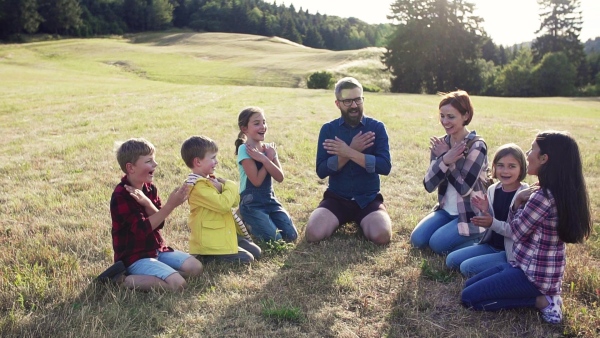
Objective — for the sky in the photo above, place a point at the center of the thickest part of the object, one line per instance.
(506, 21)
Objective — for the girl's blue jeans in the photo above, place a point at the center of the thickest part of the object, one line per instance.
(501, 287)
(475, 259)
(266, 217)
(439, 231)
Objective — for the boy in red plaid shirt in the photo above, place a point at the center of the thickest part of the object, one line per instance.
(142, 259)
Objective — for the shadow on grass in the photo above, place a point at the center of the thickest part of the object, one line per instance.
(587, 98)
(105, 310)
(429, 306)
(307, 290)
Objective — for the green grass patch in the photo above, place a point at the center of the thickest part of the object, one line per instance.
(281, 313)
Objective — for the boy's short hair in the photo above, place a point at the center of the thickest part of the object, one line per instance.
(130, 150)
(197, 146)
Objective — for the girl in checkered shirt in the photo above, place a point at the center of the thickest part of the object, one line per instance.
(543, 218)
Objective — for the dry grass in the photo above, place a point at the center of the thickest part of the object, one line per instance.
(63, 107)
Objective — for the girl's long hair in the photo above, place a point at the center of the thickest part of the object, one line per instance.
(562, 174)
(243, 120)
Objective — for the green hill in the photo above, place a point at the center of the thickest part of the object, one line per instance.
(197, 58)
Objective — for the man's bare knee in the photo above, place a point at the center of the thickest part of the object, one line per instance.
(321, 224)
(377, 227)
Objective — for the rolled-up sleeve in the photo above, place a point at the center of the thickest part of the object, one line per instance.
(370, 163)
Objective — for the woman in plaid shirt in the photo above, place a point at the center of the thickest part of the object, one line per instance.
(458, 169)
(543, 218)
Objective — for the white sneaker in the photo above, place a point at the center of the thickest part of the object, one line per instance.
(553, 312)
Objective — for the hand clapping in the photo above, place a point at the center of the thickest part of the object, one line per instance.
(138, 195)
(484, 219)
(455, 153)
(438, 146)
(179, 195)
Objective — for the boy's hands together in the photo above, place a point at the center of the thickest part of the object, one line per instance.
(178, 196)
(139, 196)
(217, 182)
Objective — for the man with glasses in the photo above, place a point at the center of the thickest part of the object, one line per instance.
(353, 150)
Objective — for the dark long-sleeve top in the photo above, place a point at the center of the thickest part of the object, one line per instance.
(353, 181)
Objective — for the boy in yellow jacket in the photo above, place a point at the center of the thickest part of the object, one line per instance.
(215, 234)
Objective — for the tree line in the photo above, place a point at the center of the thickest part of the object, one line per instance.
(439, 45)
(86, 18)
(432, 45)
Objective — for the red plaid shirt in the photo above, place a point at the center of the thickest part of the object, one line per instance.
(132, 234)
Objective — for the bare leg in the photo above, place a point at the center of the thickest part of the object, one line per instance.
(322, 223)
(191, 267)
(541, 302)
(144, 282)
(377, 227)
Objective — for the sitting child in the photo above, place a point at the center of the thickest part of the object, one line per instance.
(510, 169)
(215, 234)
(137, 217)
(542, 219)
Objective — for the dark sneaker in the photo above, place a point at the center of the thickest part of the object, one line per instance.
(553, 313)
(112, 274)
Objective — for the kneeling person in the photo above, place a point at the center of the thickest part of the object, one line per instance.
(215, 234)
(137, 218)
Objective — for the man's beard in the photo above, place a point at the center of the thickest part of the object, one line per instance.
(352, 120)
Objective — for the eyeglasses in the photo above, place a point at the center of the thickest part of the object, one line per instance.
(348, 102)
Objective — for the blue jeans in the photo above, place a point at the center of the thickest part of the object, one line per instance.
(266, 218)
(247, 253)
(475, 259)
(439, 231)
(501, 287)
(166, 264)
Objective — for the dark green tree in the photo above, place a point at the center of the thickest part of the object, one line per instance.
(502, 56)
(516, 78)
(60, 16)
(101, 17)
(313, 38)
(490, 52)
(181, 13)
(559, 30)
(554, 75)
(434, 47)
(593, 60)
(144, 15)
(19, 16)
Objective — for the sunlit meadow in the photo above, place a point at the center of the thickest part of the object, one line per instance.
(64, 105)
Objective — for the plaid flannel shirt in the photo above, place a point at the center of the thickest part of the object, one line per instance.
(132, 234)
(538, 250)
(467, 175)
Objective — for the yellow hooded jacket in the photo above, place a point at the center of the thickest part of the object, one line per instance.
(213, 229)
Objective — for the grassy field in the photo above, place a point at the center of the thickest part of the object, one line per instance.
(65, 104)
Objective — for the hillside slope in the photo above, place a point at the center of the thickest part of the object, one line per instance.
(202, 58)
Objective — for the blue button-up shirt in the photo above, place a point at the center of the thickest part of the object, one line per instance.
(353, 181)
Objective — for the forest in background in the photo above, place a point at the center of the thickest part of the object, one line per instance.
(430, 45)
